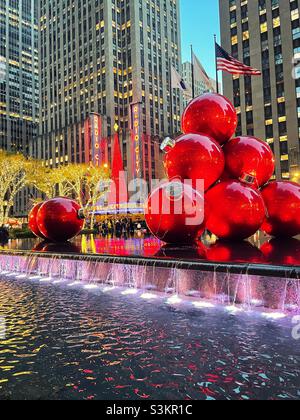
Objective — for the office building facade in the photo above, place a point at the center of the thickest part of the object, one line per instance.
(19, 80)
(266, 35)
(108, 61)
(19, 88)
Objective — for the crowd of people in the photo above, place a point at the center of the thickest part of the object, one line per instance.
(120, 227)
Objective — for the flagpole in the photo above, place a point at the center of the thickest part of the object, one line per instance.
(193, 72)
(171, 99)
(217, 73)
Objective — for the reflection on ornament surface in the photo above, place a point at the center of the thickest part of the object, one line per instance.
(195, 157)
(175, 213)
(282, 200)
(249, 155)
(236, 211)
(32, 221)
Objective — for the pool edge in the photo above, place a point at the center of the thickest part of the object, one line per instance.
(275, 271)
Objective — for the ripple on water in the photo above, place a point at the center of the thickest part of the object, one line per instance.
(64, 343)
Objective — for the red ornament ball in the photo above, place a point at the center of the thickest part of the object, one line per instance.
(282, 200)
(32, 221)
(59, 220)
(236, 210)
(210, 114)
(175, 213)
(195, 157)
(249, 156)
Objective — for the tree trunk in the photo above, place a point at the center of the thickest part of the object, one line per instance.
(1, 215)
(92, 220)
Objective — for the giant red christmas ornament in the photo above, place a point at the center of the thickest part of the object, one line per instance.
(32, 222)
(249, 156)
(194, 157)
(210, 114)
(236, 210)
(282, 200)
(175, 213)
(59, 220)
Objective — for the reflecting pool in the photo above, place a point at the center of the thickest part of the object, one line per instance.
(260, 249)
(74, 340)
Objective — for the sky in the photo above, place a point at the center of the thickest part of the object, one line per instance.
(199, 23)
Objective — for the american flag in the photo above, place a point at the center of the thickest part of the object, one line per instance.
(226, 62)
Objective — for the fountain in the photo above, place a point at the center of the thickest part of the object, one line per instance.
(202, 284)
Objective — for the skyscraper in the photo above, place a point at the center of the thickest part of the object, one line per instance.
(105, 66)
(195, 73)
(266, 35)
(19, 90)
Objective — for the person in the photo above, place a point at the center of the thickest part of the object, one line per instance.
(4, 235)
(97, 227)
(123, 227)
(128, 228)
(104, 229)
(110, 227)
(118, 229)
(131, 227)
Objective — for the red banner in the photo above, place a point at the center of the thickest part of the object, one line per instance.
(95, 145)
(137, 148)
(96, 137)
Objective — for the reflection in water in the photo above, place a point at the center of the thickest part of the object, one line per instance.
(183, 253)
(39, 246)
(61, 248)
(282, 252)
(67, 343)
(235, 252)
(249, 291)
(149, 247)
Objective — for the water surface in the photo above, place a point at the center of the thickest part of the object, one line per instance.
(65, 343)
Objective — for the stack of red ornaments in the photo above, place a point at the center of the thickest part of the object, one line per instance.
(228, 176)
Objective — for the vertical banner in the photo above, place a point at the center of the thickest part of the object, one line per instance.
(145, 153)
(87, 141)
(104, 150)
(136, 146)
(96, 139)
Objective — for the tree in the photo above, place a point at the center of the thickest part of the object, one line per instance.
(74, 180)
(80, 181)
(14, 171)
(96, 185)
(87, 184)
(49, 181)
